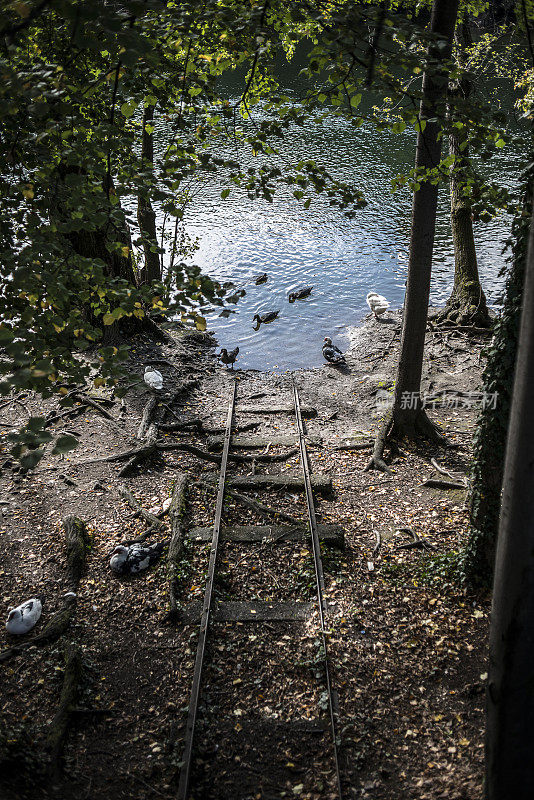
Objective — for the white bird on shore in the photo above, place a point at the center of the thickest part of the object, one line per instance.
(22, 619)
(135, 558)
(332, 353)
(153, 379)
(377, 303)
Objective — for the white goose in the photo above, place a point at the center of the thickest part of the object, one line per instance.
(377, 303)
(22, 619)
(153, 378)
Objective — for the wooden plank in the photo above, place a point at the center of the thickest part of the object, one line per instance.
(252, 611)
(330, 534)
(306, 411)
(321, 483)
(251, 442)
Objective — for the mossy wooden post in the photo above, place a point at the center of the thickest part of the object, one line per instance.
(177, 516)
(77, 541)
(57, 730)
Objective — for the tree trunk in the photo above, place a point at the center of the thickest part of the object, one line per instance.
(110, 242)
(407, 416)
(510, 700)
(145, 213)
(467, 303)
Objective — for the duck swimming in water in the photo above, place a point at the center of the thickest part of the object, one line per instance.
(228, 357)
(332, 353)
(260, 278)
(300, 294)
(377, 303)
(263, 319)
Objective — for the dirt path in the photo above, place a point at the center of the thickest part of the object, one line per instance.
(408, 647)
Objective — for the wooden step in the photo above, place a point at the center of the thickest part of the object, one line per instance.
(321, 483)
(306, 411)
(330, 534)
(251, 611)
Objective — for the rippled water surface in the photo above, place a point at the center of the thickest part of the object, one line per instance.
(343, 259)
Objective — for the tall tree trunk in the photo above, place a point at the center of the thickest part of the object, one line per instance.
(109, 242)
(510, 700)
(145, 213)
(407, 416)
(467, 303)
(490, 437)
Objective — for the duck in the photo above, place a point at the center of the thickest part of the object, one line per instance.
(22, 619)
(332, 353)
(228, 357)
(262, 278)
(153, 378)
(269, 316)
(135, 558)
(300, 294)
(377, 303)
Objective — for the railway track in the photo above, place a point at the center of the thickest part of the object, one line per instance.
(267, 613)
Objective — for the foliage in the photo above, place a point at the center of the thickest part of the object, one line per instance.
(441, 570)
(75, 80)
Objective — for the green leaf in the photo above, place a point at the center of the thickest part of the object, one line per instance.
(128, 110)
(225, 193)
(64, 444)
(355, 100)
(200, 323)
(31, 459)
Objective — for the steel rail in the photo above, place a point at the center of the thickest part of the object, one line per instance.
(319, 579)
(185, 773)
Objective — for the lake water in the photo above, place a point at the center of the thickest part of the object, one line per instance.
(343, 259)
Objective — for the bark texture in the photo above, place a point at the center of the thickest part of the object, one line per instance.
(427, 156)
(408, 417)
(146, 216)
(467, 303)
(77, 542)
(510, 699)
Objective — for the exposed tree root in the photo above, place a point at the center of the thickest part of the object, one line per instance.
(143, 452)
(158, 333)
(417, 542)
(57, 730)
(216, 459)
(191, 422)
(177, 515)
(465, 314)
(354, 446)
(146, 419)
(83, 398)
(377, 461)
(255, 505)
(432, 483)
(77, 541)
(143, 536)
(154, 521)
(402, 424)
